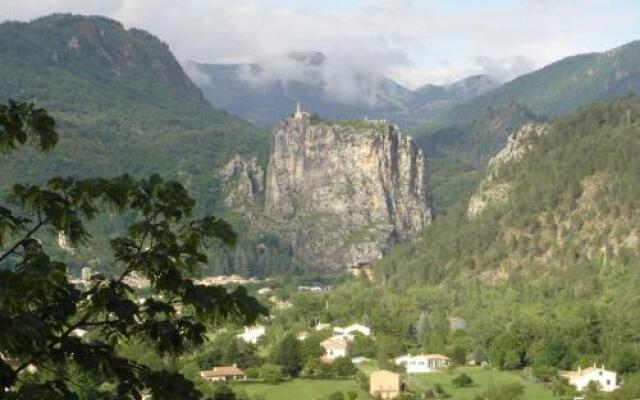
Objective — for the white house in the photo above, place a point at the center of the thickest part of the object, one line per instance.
(606, 380)
(264, 290)
(422, 362)
(322, 326)
(334, 347)
(351, 329)
(251, 334)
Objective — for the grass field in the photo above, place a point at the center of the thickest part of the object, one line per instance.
(307, 389)
(482, 379)
(301, 389)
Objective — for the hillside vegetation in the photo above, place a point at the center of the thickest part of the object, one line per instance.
(108, 85)
(122, 104)
(573, 201)
(548, 276)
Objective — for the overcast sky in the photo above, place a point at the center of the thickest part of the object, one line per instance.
(414, 42)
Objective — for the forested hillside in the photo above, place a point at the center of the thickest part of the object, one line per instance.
(107, 85)
(122, 104)
(475, 128)
(545, 276)
(572, 201)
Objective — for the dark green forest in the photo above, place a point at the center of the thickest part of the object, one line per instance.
(123, 104)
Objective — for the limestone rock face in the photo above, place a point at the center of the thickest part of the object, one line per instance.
(343, 193)
(244, 180)
(491, 191)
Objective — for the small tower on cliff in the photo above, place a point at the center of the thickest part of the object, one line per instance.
(299, 114)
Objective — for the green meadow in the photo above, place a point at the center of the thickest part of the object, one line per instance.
(301, 389)
(482, 379)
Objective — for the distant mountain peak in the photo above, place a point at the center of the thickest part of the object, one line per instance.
(263, 92)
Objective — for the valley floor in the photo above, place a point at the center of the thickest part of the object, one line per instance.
(301, 389)
(318, 389)
(482, 378)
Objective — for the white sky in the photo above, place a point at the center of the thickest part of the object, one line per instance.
(414, 42)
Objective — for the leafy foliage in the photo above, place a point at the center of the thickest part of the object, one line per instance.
(125, 106)
(40, 310)
(462, 380)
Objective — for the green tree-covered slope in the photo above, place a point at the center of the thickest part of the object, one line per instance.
(572, 201)
(475, 128)
(122, 104)
(105, 84)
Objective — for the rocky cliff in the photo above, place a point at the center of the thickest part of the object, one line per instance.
(344, 193)
(244, 181)
(491, 191)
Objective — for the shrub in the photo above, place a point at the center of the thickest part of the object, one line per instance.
(343, 367)
(336, 396)
(252, 372)
(271, 373)
(224, 392)
(544, 373)
(462, 380)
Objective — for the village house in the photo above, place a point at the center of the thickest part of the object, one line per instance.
(422, 362)
(218, 374)
(385, 384)
(334, 347)
(251, 334)
(606, 380)
(322, 326)
(351, 329)
(264, 290)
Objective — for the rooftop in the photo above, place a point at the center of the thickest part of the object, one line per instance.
(222, 372)
(335, 342)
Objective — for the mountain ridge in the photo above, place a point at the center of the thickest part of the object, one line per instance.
(255, 92)
(556, 89)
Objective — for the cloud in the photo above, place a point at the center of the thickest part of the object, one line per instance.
(344, 75)
(416, 42)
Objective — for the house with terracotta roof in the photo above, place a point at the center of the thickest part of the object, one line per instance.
(218, 374)
(334, 347)
(422, 362)
(607, 381)
(385, 384)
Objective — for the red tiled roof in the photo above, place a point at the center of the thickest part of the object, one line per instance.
(222, 372)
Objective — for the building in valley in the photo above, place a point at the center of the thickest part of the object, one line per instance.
(218, 374)
(335, 347)
(385, 384)
(607, 381)
(422, 362)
